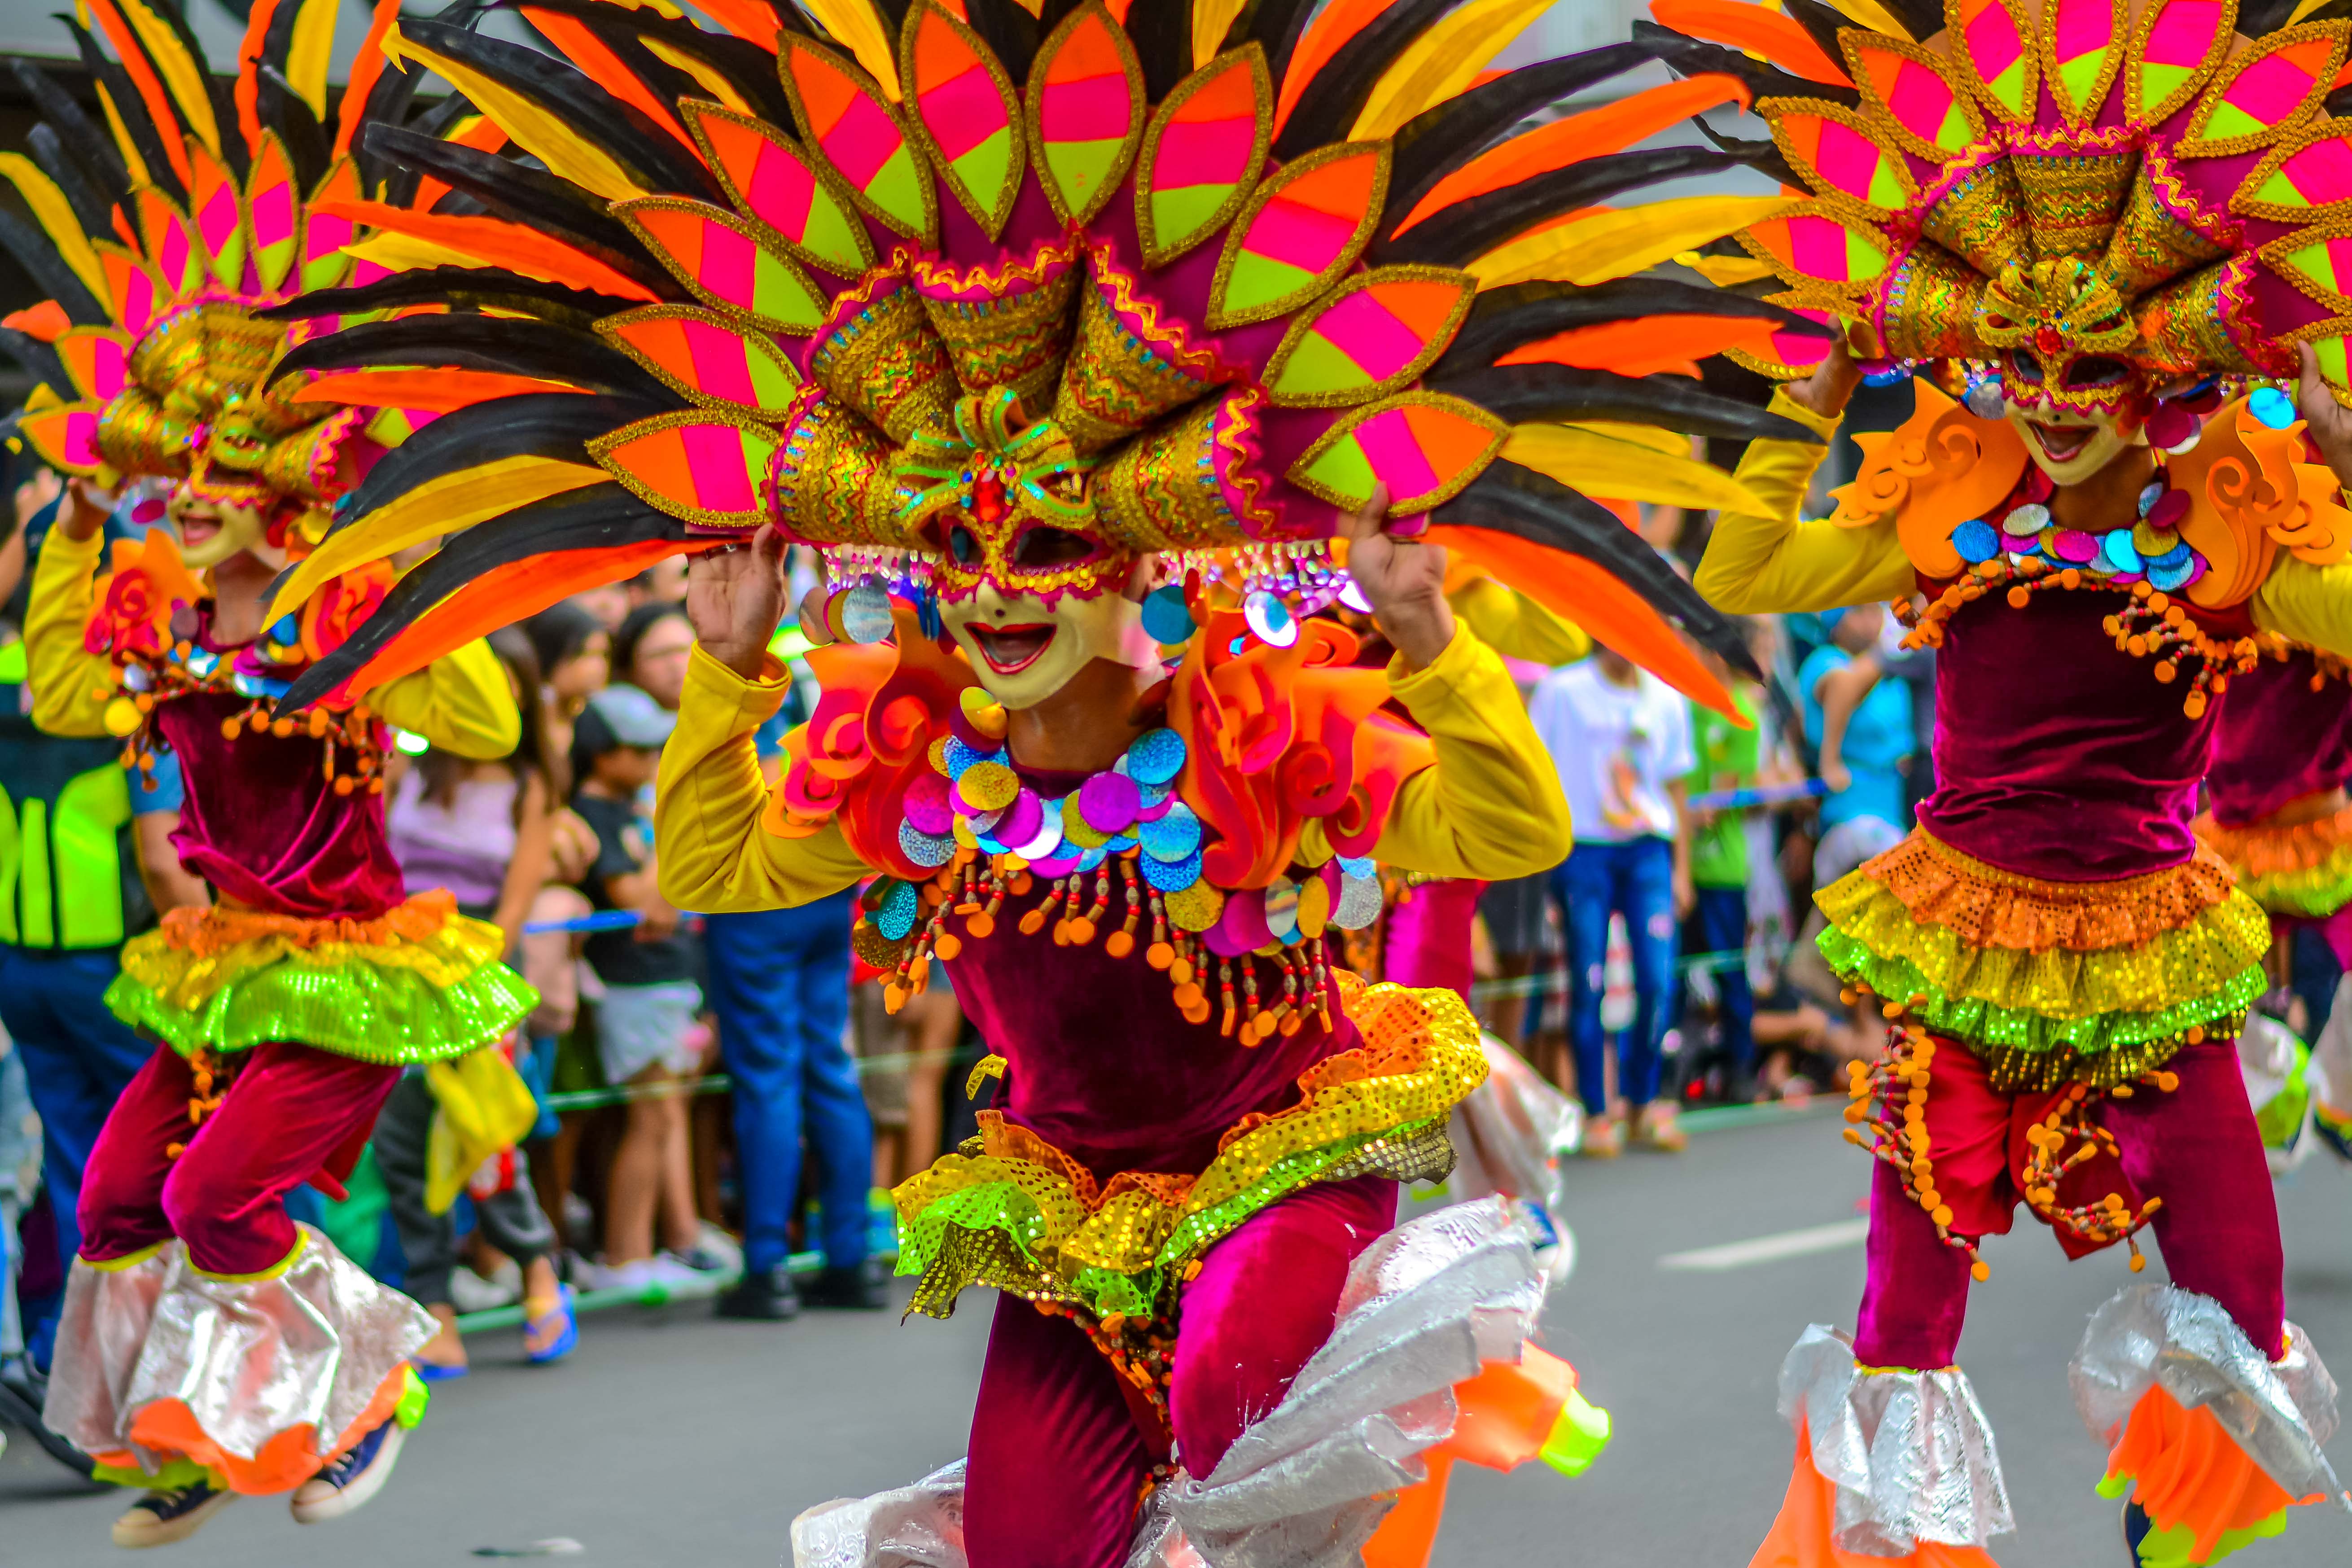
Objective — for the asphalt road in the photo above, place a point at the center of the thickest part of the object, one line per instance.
(672, 1439)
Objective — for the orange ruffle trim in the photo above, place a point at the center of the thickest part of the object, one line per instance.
(1988, 907)
(285, 1462)
(1803, 1535)
(2185, 1469)
(205, 932)
(2274, 849)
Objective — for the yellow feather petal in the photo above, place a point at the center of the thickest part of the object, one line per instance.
(132, 161)
(1667, 441)
(716, 85)
(183, 75)
(1212, 20)
(312, 46)
(1872, 14)
(444, 505)
(1442, 62)
(859, 29)
(1723, 272)
(1623, 470)
(1612, 243)
(58, 220)
(534, 129)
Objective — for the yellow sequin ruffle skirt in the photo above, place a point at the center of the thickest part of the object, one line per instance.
(1011, 1211)
(419, 983)
(2098, 982)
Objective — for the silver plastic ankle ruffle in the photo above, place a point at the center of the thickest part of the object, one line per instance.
(2151, 1335)
(1910, 1453)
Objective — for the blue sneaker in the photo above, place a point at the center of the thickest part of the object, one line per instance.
(169, 1514)
(352, 1478)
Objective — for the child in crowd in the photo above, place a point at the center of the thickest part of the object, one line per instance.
(647, 1033)
(483, 830)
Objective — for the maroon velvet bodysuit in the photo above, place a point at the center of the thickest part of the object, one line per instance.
(2056, 755)
(262, 822)
(2279, 740)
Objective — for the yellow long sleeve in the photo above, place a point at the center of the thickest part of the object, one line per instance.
(714, 855)
(1491, 807)
(1778, 561)
(1517, 627)
(2306, 603)
(461, 703)
(67, 679)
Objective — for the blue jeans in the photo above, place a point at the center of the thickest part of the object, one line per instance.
(78, 1059)
(780, 984)
(1720, 918)
(1636, 879)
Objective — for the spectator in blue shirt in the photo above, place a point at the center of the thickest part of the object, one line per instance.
(1859, 724)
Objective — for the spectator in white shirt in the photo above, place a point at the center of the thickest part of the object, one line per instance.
(1622, 740)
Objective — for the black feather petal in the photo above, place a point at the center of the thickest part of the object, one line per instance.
(1521, 392)
(1329, 104)
(502, 344)
(1162, 34)
(84, 138)
(1445, 136)
(36, 254)
(462, 287)
(535, 425)
(144, 137)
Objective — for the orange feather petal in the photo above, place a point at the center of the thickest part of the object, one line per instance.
(1749, 26)
(497, 243)
(484, 135)
(508, 594)
(1608, 129)
(433, 391)
(1648, 344)
(1573, 587)
(366, 69)
(1340, 21)
(584, 49)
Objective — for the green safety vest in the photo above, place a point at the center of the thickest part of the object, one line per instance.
(68, 874)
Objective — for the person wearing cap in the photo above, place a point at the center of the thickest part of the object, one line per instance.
(647, 1028)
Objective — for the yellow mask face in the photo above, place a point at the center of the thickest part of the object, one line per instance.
(2071, 447)
(212, 529)
(1023, 649)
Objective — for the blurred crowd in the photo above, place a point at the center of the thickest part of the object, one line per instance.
(721, 1102)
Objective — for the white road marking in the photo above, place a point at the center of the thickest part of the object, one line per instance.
(1770, 1248)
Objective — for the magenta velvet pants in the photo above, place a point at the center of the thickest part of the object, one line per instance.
(1057, 1462)
(290, 1112)
(2196, 1147)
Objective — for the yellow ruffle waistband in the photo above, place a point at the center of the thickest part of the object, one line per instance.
(1378, 1108)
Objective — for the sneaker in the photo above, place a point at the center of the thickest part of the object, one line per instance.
(676, 1278)
(469, 1292)
(769, 1298)
(350, 1478)
(704, 1259)
(161, 1518)
(863, 1289)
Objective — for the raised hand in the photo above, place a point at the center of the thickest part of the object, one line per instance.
(1404, 582)
(1831, 387)
(2328, 422)
(736, 600)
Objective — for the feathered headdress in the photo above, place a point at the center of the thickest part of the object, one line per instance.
(202, 201)
(2090, 200)
(1188, 276)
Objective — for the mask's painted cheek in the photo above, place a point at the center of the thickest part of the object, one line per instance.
(1023, 649)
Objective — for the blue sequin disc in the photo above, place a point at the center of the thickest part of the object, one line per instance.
(1172, 876)
(2272, 407)
(900, 906)
(2118, 548)
(1976, 539)
(1173, 837)
(959, 756)
(1155, 757)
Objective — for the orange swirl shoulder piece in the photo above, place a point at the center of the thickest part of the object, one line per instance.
(1941, 467)
(2251, 494)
